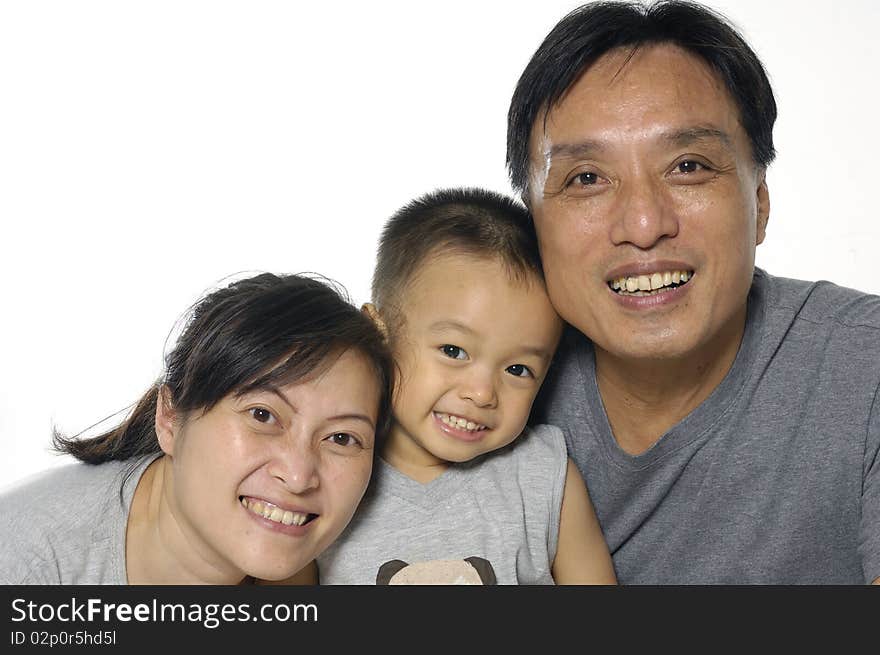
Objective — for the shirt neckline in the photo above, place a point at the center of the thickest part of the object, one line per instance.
(696, 425)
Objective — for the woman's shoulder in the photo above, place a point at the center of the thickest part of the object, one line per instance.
(52, 514)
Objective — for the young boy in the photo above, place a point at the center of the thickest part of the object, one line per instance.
(463, 492)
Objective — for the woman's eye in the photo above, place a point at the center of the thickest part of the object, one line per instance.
(520, 371)
(453, 352)
(261, 414)
(343, 439)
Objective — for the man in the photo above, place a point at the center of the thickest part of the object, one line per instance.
(727, 422)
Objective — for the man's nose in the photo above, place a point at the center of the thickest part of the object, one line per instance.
(478, 386)
(295, 462)
(642, 215)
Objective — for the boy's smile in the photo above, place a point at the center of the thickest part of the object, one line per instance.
(472, 348)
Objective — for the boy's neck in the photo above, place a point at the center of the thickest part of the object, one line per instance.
(408, 457)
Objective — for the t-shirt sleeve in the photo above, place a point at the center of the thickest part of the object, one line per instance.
(25, 558)
(869, 538)
(554, 470)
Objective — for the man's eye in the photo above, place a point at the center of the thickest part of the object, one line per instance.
(453, 351)
(689, 166)
(520, 371)
(343, 439)
(261, 414)
(585, 179)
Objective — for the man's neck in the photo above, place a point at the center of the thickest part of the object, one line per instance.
(644, 398)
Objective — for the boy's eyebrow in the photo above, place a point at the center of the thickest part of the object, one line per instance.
(448, 324)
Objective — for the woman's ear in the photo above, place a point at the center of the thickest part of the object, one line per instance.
(370, 310)
(166, 429)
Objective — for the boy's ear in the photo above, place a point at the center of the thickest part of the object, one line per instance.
(166, 428)
(370, 310)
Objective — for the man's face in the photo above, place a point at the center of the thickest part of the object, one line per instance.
(648, 206)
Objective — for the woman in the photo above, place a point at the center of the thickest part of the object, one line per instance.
(244, 461)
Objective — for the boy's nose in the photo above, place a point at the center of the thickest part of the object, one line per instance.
(479, 388)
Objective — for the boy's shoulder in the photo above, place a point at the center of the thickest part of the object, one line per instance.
(539, 447)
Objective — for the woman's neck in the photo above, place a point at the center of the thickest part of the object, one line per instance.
(157, 549)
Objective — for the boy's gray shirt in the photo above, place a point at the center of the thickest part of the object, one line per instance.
(67, 525)
(502, 507)
(773, 479)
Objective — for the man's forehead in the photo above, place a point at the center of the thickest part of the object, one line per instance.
(660, 92)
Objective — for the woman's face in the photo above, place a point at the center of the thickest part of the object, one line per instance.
(264, 482)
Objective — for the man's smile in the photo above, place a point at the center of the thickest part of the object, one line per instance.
(649, 284)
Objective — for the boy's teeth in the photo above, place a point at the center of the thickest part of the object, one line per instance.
(460, 423)
(273, 513)
(641, 285)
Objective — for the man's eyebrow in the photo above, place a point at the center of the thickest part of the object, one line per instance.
(683, 137)
(579, 150)
(692, 134)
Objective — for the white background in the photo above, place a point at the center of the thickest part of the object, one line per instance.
(150, 149)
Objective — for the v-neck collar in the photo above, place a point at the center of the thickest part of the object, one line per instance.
(697, 424)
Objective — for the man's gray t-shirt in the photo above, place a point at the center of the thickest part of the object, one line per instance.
(67, 525)
(773, 479)
(501, 508)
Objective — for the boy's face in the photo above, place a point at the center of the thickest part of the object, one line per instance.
(472, 349)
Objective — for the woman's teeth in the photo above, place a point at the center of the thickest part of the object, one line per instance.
(648, 285)
(273, 513)
(459, 423)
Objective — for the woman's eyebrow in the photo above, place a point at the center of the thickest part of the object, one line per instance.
(354, 416)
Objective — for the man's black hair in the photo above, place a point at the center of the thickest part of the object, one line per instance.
(592, 30)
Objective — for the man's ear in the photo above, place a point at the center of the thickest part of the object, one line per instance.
(166, 427)
(370, 310)
(763, 208)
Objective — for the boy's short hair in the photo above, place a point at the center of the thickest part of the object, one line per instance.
(465, 220)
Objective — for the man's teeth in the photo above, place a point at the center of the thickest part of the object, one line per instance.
(645, 285)
(274, 513)
(460, 423)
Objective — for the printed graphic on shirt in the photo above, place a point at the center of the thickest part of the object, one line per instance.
(470, 571)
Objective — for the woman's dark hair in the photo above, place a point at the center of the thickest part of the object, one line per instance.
(258, 332)
(592, 30)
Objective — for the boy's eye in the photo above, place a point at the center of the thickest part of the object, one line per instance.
(261, 414)
(453, 351)
(343, 439)
(520, 371)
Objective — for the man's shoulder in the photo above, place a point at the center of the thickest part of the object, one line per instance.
(821, 302)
